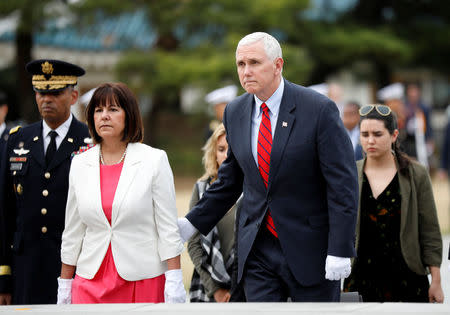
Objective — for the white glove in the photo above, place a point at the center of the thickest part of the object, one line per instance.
(174, 291)
(64, 291)
(186, 229)
(337, 268)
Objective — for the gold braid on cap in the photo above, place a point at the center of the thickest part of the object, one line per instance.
(55, 82)
(5, 270)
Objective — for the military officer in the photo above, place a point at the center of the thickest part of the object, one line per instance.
(35, 169)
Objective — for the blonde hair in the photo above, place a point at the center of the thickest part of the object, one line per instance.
(209, 159)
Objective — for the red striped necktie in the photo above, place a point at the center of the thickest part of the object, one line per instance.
(264, 150)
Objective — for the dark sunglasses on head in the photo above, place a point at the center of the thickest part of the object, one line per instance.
(383, 110)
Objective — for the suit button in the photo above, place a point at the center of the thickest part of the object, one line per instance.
(47, 175)
(44, 211)
(14, 173)
(44, 229)
(269, 199)
(45, 193)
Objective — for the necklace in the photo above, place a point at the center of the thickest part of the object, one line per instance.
(120, 161)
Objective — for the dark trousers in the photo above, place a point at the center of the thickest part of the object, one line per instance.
(267, 277)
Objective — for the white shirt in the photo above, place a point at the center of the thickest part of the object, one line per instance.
(2, 128)
(61, 131)
(273, 103)
(354, 136)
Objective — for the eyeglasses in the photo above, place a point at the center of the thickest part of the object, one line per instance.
(383, 110)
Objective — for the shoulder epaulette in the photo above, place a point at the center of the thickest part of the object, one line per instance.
(14, 130)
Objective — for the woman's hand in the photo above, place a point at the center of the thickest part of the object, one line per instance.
(435, 293)
(64, 291)
(174, 291)
(222, 295)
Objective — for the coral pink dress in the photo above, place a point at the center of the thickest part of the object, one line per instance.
(107, 286)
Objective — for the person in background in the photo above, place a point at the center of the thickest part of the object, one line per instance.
(4, 131)
(34, 173)
(444, 170)
(335, 94)
(213, 255)
(290, 156)
(218, 100)
(350, 118)
(398, 239)
(121, 231)
(418, 115)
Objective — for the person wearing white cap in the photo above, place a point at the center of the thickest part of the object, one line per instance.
(218, 99)
(411, 126)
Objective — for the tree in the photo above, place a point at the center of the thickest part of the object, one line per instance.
(31, 16)
(196, 41)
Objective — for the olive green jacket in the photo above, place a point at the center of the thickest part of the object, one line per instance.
(420, 235)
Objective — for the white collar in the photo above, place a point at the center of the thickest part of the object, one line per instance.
(61, 130)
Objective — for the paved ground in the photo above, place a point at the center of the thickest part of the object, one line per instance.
(441, 192)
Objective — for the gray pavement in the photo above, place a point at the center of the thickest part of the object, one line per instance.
(234, 309)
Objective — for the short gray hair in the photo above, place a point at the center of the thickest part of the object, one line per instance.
(271, 45)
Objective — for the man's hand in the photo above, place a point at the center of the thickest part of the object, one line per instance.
(222, 295)
(186, 229)
(337, 268)
(5, 299)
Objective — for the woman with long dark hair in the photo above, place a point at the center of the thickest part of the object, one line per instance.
(398, 237)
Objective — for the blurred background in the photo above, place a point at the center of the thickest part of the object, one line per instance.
(173, 52)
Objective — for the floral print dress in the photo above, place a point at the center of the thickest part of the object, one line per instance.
(379, 273)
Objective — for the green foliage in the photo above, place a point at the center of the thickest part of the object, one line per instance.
(342, 45)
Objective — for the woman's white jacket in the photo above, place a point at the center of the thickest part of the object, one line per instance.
(143, 232)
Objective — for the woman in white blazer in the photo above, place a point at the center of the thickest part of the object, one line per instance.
(121, 231)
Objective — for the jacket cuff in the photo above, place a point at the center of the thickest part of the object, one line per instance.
(5, 284)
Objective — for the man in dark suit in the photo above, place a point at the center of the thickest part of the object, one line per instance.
(34, 173)
(291, 157)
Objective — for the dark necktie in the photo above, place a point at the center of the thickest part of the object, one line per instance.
(51, 149)
(264, 150)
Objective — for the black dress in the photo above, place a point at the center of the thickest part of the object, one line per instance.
(380, 274)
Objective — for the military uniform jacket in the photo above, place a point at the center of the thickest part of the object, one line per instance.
(33, 202)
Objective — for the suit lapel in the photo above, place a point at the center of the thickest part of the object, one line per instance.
(405, 190)
(283, 129)
(245, 139)
(129, 171)
(37, 146)
(92, 181)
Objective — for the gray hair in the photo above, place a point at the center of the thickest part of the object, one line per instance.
(271, 45)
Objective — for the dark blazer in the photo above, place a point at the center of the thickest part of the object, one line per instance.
(420, 235)
(32, 209)
(312, 190)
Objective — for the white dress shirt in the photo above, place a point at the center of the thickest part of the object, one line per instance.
(2, 128)
(273, 103)
(354, 136)
(62, 131)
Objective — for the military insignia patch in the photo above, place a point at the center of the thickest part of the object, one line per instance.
(82, 149)
(21, 151)
(47, 67)
(14, 130)
(17, 159)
